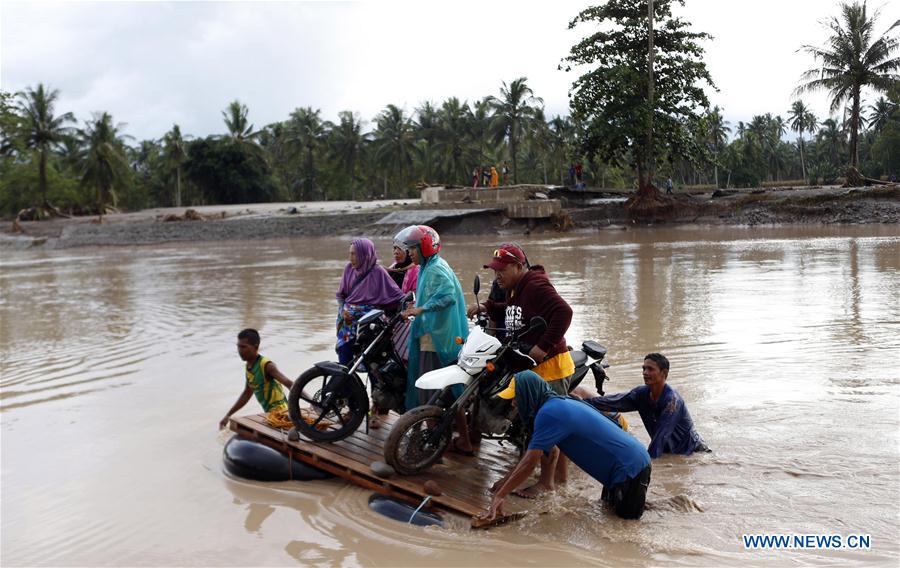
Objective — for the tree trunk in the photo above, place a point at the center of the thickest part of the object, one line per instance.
(512, 149)
(42, 177)
(353, 178)
(854, 130)
(178, 186)
(802, 160)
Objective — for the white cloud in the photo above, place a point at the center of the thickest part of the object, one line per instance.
(153, 64)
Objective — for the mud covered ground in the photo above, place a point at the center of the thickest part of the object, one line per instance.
(582, 211)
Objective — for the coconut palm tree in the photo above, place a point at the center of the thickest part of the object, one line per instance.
(540, 140)
(347, 141)
(480, 127)
(452, 147)
(427, 123)
(717, 131)
(562, 143)
(832, 139)
(305, 132)
(880, 113)
(801, 120)
(853, 58)
(41, 130)
(395, 144)
(175, 155)
(106, 166)
(235, 118)
(513, 111)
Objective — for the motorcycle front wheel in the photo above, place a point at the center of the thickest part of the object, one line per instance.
(407, 449)
(323, 411)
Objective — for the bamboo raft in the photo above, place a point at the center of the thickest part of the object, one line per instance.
(464, 482)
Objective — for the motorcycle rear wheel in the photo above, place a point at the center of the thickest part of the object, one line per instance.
(406, 449)
(322, 419)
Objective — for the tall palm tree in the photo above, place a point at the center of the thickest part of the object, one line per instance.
(347, 140)
(880, 113)
(42, 131)
(305, 131)
(455, 153)
(427, 123)
(562, 143)
(106, 165)
(832, 139)
(175, 155)
(801, 120)
(513, 111)
(480, 127)
(235, 118)
(540, 140)
(852, 59)
(395, 143)
(717, 131)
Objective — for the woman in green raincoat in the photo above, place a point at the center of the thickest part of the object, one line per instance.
(440, 311)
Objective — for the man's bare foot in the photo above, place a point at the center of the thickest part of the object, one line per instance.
(532, 492)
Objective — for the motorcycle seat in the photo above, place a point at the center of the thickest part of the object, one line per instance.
(594, 349)
(578, 357)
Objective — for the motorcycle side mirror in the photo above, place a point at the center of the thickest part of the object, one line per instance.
(477, 285)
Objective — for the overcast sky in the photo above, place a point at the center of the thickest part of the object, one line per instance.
(152, 64)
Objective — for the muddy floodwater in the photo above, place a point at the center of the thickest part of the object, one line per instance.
(117, 363)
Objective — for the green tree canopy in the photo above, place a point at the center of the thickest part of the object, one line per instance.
(854, 58)
(229, 173)
(611, 97)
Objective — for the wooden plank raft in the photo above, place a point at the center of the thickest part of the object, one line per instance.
(464, 481)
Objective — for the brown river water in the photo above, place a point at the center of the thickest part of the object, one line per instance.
(117, 363)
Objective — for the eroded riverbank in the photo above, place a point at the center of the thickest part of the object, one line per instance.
(582, 211)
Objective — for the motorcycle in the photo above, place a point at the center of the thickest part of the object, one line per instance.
(485, 367)
(336, 399)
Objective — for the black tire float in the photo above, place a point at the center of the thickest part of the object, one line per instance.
(252, 460)
(403, 511)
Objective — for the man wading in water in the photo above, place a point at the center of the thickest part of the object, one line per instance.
(662, 410)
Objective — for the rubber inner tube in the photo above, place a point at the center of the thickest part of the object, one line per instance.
(402, 511)
(252, 460)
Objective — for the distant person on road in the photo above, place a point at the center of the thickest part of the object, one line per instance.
(662, 411)
(476, 175)
(668, 186)
(495, 177)
(263, 379)
(504, 174)
(485, 176)
(596, 445)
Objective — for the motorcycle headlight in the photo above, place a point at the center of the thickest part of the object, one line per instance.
(470, 361)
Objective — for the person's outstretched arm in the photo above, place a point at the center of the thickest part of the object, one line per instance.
(512, 480)
(239, 404)
(273, 373)
(619, 402)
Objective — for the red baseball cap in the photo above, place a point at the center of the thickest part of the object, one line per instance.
(506, 255)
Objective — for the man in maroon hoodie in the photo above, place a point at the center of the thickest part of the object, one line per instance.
(530, 294)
